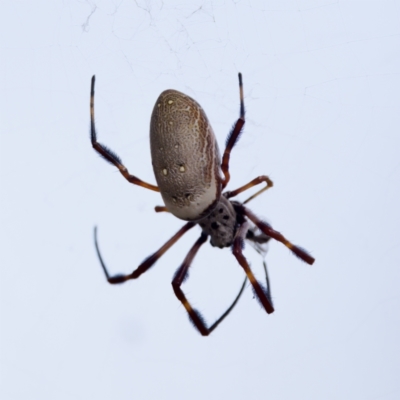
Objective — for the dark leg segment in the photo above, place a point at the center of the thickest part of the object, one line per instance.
(257, 240)
(267, 229)
(254, 182)
(262, 293)
(233, 136)
(195, 317)
(108, 154)
(267, 281)
(147, 263)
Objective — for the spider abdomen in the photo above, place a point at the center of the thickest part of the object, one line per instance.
(185, 156)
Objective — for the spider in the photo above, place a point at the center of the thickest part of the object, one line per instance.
(187, 166)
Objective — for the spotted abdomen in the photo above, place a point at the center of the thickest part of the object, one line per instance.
(185, 156)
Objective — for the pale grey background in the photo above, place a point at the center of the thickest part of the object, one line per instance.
(322, 93)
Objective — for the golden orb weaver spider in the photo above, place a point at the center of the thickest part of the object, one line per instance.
(187, 166)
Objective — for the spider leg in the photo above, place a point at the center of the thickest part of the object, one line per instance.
(233, 137)
(263, 294)
(147, 263)
(267, 229)
(108, 154)
(256, 241)
(254, 182)
(267, 279)
(194, 315)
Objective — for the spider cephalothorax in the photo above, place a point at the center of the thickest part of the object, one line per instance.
(187, 166)
(220, 224)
